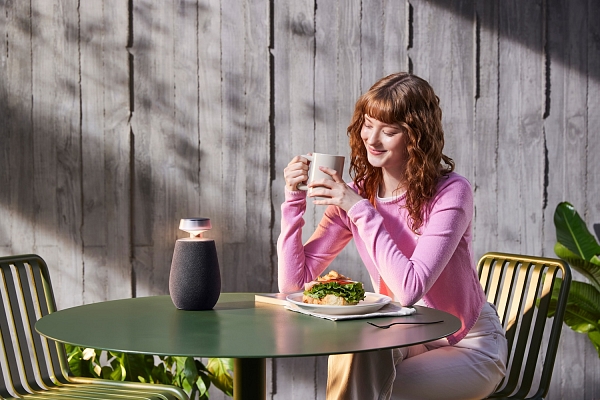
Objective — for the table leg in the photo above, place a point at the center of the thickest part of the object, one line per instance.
(249, 378)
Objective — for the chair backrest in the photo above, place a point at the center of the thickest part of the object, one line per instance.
(521, 288)
(28, 361)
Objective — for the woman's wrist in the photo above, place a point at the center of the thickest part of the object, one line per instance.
(356, 206)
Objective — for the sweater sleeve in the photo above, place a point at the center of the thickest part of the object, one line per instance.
(298, 263)
(410, 276)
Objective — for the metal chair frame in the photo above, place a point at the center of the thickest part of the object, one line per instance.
(521, 288)
(33, 367)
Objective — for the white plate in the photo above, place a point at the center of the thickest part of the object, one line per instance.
(371, 303)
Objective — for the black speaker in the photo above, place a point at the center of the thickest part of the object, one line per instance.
(195, 277)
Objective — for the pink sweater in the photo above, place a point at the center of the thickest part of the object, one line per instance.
(436, 266)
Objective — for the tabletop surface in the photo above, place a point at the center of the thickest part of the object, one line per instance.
(237, 327)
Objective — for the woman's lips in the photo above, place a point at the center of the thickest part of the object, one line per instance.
(375, 152)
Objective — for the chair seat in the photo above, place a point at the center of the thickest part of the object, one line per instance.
(521, 287)
(99, 392)
(33, 367)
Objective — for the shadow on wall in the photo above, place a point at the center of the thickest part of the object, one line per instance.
(74, 170)
(572, 33)
(86, 182)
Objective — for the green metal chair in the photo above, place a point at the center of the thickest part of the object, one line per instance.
(521, 287)
(33, 367)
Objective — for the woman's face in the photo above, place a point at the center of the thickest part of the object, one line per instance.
(385, 144)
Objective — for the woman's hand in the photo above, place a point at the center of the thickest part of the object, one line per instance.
(335, 191)
(295, 173)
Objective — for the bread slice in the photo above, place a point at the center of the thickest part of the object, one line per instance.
(327, 300)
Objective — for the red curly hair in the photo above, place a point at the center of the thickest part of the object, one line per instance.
(410, 102)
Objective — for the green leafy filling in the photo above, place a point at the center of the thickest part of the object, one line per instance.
(352, 292)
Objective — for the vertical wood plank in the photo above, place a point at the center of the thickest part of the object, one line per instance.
(233, 54)
(565, 124)
(349, 68)
(246, 109)
(209, 118)
(396, 27)
(247, 205)
(294, 58)
(592, 213)
(232, 186)
(330, 133)
(521, 149)
(565, 134)
(105, 150)
(592, 159)
(184, 200)
(5, 134)
(444, 57)
(256, 265)
(142, 191)
(56, 149)
(93, 230)
(294, 50)
(44, 149)
(329, 129)
(17, 200)
(118, 151)
(155, 146)
(371, 42)
(486, 135)
(143, 200)
(353, 60)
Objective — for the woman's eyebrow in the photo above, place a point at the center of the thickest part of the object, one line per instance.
(385, 124)
(394, 126)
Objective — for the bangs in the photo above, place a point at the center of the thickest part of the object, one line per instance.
(384, 108)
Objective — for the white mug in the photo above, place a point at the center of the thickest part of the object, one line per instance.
(322, 160)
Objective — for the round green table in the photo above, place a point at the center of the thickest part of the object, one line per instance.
(236, 328)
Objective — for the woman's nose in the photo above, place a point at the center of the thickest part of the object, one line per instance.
(373, 137)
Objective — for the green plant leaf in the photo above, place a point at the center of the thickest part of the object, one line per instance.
(118, 364)
(583, 306)
(185, 385)
(352, 292)
(190, 370)
(579, 320)
(586, 297)
(139, 366)
(590, 269)
(179, 364)
(178, 371)
(201, 366)
(75, 360)
(219, 374)
(572, 232)
(203, 384)
(114, 354)
(159, 374)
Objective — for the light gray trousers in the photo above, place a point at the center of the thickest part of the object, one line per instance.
(471, 369)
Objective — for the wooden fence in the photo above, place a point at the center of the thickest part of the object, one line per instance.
(119, 117)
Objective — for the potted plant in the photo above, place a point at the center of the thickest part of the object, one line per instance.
(578, 247)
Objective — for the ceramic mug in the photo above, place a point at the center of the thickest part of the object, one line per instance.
(322, 160)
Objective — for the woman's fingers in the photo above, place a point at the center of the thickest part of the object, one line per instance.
(333, 191)
(337, 177)
(296, 172)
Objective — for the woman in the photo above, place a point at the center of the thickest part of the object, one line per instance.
(410, 217)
